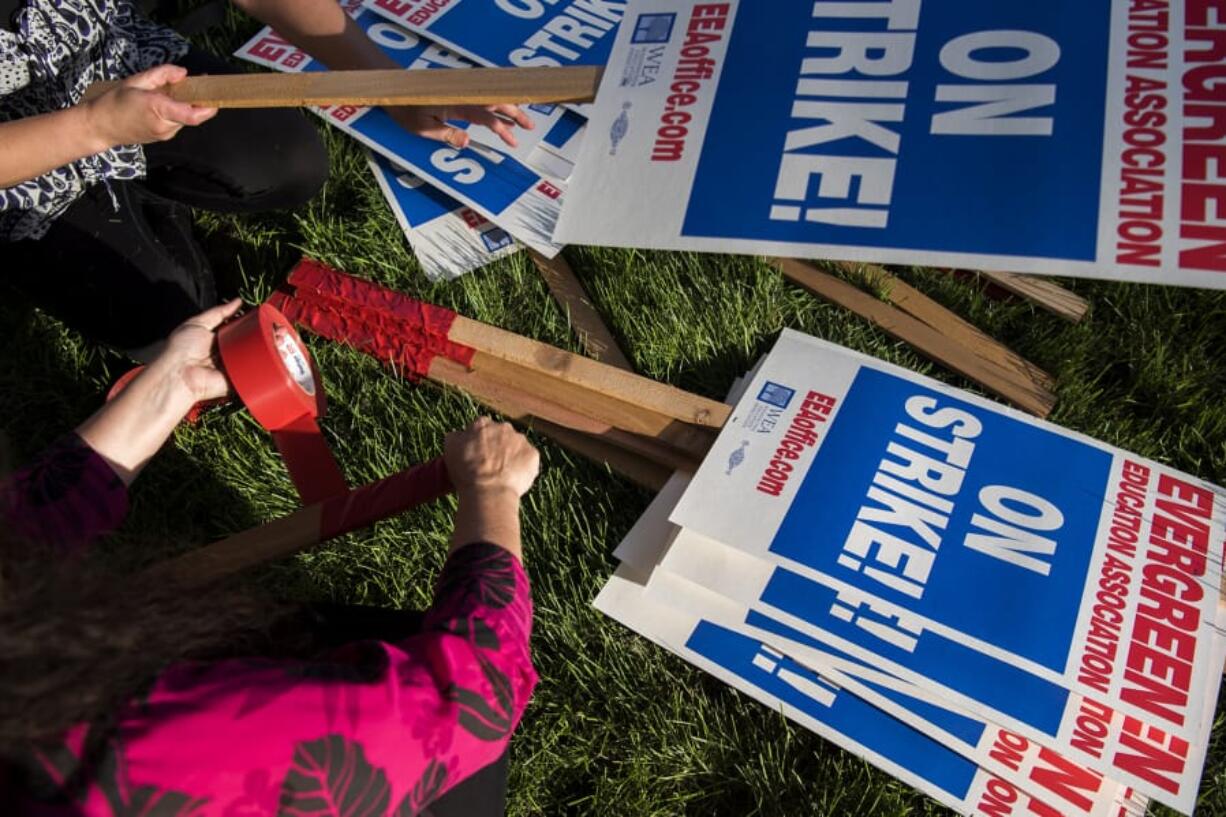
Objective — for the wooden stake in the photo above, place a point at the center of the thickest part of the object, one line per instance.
(471, 86)
(309, 526)
(594, 336)
(1044, 293)
(637, 469)
(506, 395)
(924, 338)
(918, 305)
(589, 375)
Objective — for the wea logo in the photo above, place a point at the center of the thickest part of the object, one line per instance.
(653, 28)
(776, 395)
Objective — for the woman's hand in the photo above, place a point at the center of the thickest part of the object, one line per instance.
(130, 429)
(190, 356)
(432, 122)
(137, 113)
(491, 466)
(491, 457)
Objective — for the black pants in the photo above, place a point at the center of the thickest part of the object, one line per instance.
(127, 277)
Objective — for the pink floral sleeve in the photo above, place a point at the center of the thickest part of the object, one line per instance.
(380, 729)
(66, 498)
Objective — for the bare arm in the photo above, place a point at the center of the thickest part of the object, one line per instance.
(131, 114)
(36, 145)
(129, 430)
(491, 466)
(323, 29)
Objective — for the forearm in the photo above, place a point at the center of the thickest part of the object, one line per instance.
(129, 430)
(488, 515)
(36, 145)
(322, 29)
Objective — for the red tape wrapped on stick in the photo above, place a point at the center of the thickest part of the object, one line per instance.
(418, 328)
(273, 373)
(396, 494)
(308, 526)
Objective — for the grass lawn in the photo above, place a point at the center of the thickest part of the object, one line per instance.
(617, 725)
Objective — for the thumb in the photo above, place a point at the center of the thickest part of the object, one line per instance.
(155, 78)
(212, 318)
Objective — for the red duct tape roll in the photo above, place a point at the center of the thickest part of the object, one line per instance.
(273, 373)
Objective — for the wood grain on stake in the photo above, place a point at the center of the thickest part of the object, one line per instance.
(918, 305)
(921, 336)
(469, 86)
(655, 437)
(589, 375)
(644, 462)
(1042, 292)
(595, 338)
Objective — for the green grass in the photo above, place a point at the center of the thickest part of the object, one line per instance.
(617, 725)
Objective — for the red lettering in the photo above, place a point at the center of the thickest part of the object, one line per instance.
(1065, 779)
(1153, 752)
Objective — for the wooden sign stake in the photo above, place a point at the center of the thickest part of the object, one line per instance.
(594, 336)
(928, 341)
(391, 87)
(1041, 292)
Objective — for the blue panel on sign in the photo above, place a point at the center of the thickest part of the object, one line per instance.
(564, 129)
(800, 688)
(495, 184)
(522, 34)
(964, 516)
(419, 202)
(967, 728)
(874, 146)
(998, 685)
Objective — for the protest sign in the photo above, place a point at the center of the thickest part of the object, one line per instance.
(493, 34)
(816, 700)
(927, 513)
(448, 238)
(934, 670)
(1044, 138)
(490, 181)
(1068, 787)
(522, 33)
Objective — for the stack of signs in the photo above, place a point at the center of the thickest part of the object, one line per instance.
(448, 238)
(519, 190)
(522, 33)
(1082, 139)
(1008, 616)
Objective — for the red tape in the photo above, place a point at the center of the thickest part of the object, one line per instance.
(381, 321)
(387, 497)
(273, 373)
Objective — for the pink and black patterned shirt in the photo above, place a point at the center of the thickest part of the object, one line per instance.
(382, 729)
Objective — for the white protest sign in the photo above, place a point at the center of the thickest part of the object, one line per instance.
(1015, 706)
(823, 703)
(524, 33)
(1064, 787)
(1084, 139)
(905, 512)
(448, 238)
